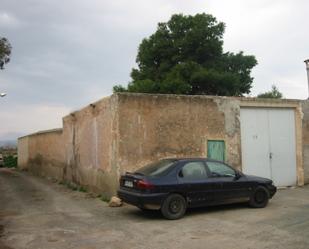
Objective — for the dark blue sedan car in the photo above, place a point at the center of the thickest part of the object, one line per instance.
(173, 185)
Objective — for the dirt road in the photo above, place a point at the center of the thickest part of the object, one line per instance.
(36, 213)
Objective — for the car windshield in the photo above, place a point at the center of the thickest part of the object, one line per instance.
(157, 168)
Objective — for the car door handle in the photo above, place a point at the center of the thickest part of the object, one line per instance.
(270, 155)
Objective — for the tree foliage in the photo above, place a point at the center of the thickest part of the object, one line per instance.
(5, 51)
(185, 56)
(272, 94)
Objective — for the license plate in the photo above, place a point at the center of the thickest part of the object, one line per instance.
(128, 184)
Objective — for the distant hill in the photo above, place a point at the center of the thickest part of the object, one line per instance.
(8, 143)
(9, 139)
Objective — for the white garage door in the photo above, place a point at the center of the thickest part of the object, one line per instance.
(268, 144)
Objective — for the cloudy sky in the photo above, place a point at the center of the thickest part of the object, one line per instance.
(67, 54)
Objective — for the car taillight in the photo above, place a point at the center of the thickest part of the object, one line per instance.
(141, 184)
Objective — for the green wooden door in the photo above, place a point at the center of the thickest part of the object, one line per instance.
(216, 150)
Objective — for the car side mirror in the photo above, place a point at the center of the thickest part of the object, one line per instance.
(237, 175)
(180, 174)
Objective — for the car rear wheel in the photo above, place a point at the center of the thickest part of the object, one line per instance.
(174, 207)
(259, 198)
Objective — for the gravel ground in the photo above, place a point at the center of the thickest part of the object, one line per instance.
(37, 213)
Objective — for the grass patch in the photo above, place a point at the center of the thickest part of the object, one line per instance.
(82, 189)
(73, 186)
(10, 162)
(104, 198)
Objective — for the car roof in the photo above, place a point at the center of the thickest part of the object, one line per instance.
(192, 159)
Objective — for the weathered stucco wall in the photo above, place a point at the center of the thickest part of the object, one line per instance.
(305, 109)
(124, 131)
(23, 152)
(158, 126)
(42, 153)
(84, 152)
(90, 138)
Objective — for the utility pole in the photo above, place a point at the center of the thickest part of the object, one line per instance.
(307, 67)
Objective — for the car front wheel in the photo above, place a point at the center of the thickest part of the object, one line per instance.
(174, 207)
(259, 198)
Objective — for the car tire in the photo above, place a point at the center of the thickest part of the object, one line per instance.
(259, 198)
(174, 207)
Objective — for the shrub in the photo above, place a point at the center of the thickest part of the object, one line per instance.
(10, 161)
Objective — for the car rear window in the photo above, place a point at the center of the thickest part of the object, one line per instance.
(159, 168)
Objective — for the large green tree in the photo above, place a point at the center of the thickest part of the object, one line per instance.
(185, 56)
(5, 51)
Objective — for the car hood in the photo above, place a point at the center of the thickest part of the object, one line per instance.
(259, 179)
